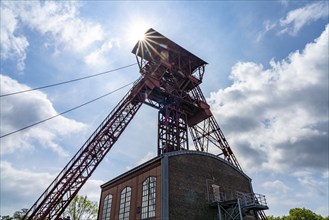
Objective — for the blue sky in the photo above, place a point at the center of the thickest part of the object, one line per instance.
(267, 83)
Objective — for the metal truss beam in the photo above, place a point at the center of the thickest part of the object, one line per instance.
(172, 130)
(66, 185)
(207, 133)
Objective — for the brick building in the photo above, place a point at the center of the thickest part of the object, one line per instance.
(181, 185)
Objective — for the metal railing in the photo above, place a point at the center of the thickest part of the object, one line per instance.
(251, 199)
(220, 194)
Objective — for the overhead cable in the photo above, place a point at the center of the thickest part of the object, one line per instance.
(62, 113)
(69, 81)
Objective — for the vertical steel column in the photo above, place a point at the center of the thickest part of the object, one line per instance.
(172, 130)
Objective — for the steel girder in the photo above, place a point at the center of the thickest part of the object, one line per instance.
(172, 130)
(66, 185)
(208, 133)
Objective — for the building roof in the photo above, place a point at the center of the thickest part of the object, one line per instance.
(169, 154)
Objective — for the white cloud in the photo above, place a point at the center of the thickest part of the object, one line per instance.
(268, 26)
(22, 110)
(92, 189)
(13, 45)
(96, 58)
(307, 187)
(283, 202)
(298, 18)
(313, 185)
(295, 19)
(61, 20)
(20, 188)
(60, 25)
(277, 186)
(277, 118)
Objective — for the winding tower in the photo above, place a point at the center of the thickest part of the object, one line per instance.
(169, 82)
(172, 76)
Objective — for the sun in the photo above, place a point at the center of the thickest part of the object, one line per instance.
(136, 31)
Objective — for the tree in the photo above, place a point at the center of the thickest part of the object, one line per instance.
(273, 218)
(18, 215)
(299, 214)
(6, 217)
(81, 208)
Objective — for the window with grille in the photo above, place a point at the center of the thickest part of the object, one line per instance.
(107, 207)
(125, 204)
(148, 198)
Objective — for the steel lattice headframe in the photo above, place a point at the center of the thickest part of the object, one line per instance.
(170, 82)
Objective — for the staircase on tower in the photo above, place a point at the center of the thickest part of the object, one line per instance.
(235, 205)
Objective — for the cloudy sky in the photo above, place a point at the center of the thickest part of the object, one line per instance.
(267, 83)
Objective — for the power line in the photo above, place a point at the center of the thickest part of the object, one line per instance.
(62, 113)
(69, 81)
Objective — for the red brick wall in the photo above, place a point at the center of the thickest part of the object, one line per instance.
(188, 198)
(135, 181)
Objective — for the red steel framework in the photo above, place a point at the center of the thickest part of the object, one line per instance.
(170, 80)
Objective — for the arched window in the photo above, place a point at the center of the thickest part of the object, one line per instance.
(148, 197)
(107, 207)
(125, 204)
